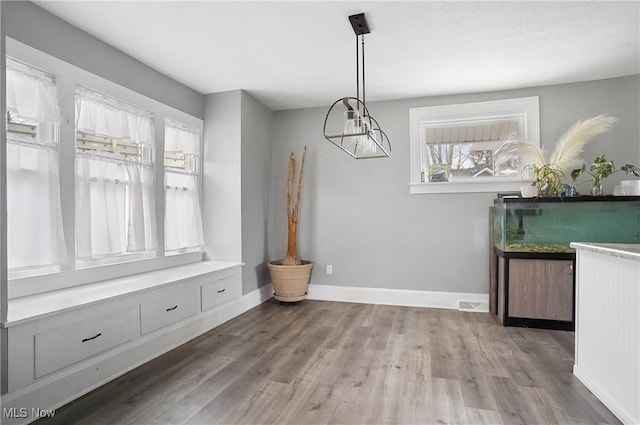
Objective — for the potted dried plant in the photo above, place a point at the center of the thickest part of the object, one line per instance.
(547, 175)
(290, 276)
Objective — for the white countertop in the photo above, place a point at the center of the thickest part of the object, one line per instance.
(41, 305)
(620, 250)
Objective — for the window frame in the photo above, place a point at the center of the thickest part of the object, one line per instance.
(178, 163)
(108, 149)
(68, 77)
(524, 110)
(24, 131)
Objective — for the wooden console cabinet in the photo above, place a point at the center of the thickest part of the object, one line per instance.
(536, 290)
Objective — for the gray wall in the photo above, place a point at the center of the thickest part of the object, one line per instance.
(256, 172)
(359, 215)
(237, 166)
(32, 25)
(221, 187)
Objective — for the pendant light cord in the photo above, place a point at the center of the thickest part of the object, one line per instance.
(358, 59)
(357, 75)
(364, 96)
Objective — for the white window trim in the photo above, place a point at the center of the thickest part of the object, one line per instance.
(67, 78)
(525, 108)
(181, 168)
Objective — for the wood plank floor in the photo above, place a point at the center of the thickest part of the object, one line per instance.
(319, 362)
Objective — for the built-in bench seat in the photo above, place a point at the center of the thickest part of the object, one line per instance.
(64, 343)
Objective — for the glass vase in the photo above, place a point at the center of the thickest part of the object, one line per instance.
(596, 189)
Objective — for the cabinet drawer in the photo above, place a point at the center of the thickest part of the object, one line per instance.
(168, 307)
(61, 347)
(220, 291)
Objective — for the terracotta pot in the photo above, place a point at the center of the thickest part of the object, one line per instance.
(290, 283)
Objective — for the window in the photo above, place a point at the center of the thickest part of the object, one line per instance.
(452, 146)
(183, 218)
(85, 194)
(114, 180)
(35, 239)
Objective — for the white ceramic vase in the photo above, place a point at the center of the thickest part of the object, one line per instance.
(529, 191)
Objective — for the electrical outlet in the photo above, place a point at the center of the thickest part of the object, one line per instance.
(329, 269)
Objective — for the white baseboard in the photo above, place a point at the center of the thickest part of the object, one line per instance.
(61, 388)
(252, 299)
(400, 297)
(624, 416)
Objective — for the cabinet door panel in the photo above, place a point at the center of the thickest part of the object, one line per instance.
(220, 291)
(541, 289)
(169, 306)
(61, 347)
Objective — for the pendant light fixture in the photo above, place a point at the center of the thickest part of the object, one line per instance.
(348, 124)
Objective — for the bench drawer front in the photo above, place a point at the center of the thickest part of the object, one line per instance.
(169, 307)
(220, 291)
(61, 347)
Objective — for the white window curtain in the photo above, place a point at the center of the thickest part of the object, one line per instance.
(115, 203)
(183, 216)
(35, 238)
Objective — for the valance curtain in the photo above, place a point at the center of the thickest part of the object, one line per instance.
(104, 116)
(180, 138)
(115, 203)
(35, 237)
(183, 217)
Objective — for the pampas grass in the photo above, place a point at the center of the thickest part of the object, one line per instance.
(531, 154)
(566, 155)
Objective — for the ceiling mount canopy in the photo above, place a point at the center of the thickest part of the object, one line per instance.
(348, 124)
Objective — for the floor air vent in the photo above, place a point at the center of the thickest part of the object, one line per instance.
(473, 306)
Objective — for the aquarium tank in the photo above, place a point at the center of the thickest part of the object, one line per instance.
(549, 225)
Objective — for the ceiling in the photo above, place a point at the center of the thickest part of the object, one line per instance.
(300, 54)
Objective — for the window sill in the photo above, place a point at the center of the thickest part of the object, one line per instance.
(465, 187)
(82, 276)
(84, 264)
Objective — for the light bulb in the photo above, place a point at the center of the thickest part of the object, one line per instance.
(351, 122)
(354, 124)
(368, 143)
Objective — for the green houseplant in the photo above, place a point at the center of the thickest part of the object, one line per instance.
(547, 178)
(547, 174)
(599, 170)
(290, 276)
